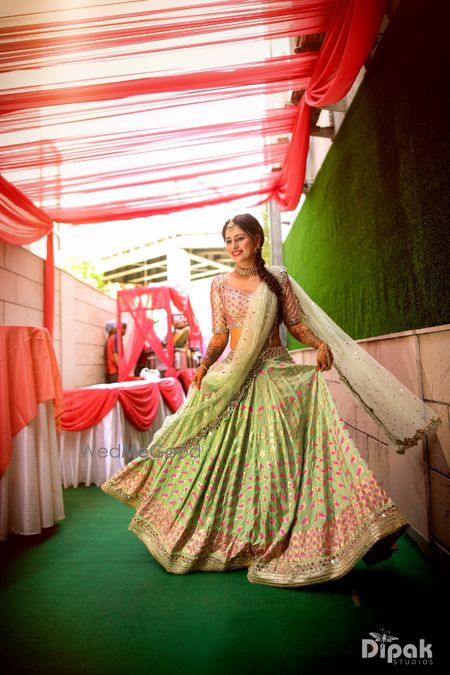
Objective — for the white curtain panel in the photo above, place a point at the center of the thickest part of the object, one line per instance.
(30, 489)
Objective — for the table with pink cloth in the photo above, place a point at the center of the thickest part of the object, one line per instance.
(105, 426)
(31, 405)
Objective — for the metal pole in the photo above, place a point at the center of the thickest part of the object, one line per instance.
(276, 249)
(276, 242)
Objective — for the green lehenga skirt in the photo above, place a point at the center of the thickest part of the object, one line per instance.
(278, 488)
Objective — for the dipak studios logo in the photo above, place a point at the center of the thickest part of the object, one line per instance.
(386, 647)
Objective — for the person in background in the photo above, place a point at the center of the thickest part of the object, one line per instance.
(180, 330)
(112, 350)
(146, 360)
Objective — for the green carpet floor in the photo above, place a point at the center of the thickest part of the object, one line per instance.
(87, 597)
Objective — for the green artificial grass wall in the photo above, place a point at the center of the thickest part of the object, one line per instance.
(371, 244)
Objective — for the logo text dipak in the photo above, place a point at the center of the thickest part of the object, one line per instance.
(391, 652)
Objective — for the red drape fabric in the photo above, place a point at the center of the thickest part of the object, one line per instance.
(31, 42)
(138, 305)
(347, 43)
(140, 407)
(29, 375)
(21, 221)
(186, 376)
(171, 392)
(277, 69)
(166, 164)
(84, 408)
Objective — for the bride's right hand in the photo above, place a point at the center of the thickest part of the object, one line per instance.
(198, 376)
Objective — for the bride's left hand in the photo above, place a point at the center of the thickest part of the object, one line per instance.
(324, 359)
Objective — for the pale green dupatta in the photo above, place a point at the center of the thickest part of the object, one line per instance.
(224, 382)
(403, 417)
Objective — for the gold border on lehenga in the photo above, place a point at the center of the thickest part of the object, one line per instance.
(334, 567)
(387, 522)
(111, 489)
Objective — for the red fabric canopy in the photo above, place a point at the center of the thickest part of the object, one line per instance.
(141, 134)
(84, 408)
(138, 304)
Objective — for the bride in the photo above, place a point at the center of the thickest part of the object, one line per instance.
(257, 469)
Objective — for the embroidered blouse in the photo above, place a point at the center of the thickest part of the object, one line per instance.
(229, 305)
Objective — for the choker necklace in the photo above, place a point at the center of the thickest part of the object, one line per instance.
(246, 271)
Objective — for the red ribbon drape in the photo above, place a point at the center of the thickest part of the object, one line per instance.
(347, 43)
(140, 407)
(222, 171)
(22, 222)
(276, 69)
(171, 392)
(30, 43)
(84, 408)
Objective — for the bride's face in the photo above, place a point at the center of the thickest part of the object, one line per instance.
(240, 246)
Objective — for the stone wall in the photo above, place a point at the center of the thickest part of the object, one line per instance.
(419, 480)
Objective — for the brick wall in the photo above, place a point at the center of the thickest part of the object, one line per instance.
(80, 313)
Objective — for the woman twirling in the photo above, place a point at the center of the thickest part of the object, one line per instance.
(257, 468)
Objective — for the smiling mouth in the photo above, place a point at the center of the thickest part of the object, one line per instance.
(236, 253)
